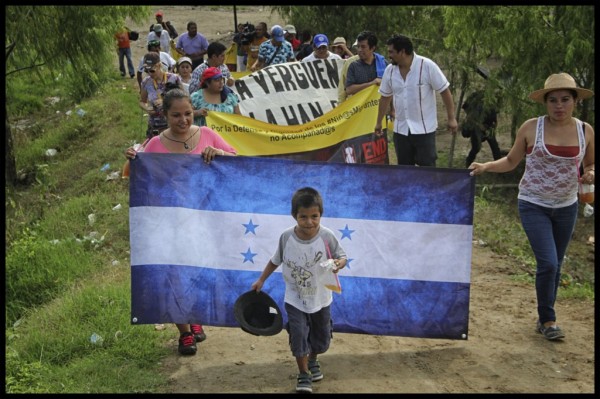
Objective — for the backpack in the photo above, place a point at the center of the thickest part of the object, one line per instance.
(133, 35)
(172, 31)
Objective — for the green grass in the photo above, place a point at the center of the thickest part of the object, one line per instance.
(67, 279)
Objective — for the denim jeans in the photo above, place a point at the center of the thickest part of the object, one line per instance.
(549, 231)
(125, 53)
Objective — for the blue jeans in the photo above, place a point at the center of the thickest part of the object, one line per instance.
(126, 53)
(549, 231)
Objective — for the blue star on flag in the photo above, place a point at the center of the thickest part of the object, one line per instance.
(348, 260)
(250, 227)
(248, 256)
(346, 232)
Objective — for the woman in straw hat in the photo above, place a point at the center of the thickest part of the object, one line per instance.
(554, 146)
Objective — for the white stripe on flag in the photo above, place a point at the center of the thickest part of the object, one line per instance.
(243, 241)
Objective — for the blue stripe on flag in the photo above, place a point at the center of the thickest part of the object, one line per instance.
(358, 191)
(407, 232)
(183, 294)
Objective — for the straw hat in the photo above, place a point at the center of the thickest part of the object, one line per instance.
(560, 81)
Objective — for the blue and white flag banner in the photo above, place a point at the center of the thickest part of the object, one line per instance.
(202, 234)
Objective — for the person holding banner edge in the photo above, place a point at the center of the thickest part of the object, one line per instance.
(412, 81)
(368, 69)
(555, 147)
(183, 137)
(301, 251)
(213, 96)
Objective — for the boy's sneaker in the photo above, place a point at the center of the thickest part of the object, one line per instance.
(187, 344)
(304, 383)
(315, 370)
(198, 332)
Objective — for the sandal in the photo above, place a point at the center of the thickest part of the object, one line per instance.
(551, 333)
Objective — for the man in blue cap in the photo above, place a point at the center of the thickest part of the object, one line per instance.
(321, 50)
(274, 51)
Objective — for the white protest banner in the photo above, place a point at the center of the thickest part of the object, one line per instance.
(293, 93)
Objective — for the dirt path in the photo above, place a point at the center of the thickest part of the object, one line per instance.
(504, 353)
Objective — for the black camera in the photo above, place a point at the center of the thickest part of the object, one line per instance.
(247, 34)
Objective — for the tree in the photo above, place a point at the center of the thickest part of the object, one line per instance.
(525, 44)
(75, 42)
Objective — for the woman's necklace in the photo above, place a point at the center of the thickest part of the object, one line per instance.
(163, 81)
(185, 145)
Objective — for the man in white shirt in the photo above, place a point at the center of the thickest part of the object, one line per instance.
(158, 33)
(412, 81)
(320, 50)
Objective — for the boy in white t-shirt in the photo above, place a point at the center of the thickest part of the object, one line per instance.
(302, 251)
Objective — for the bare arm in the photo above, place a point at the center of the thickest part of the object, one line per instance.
(449, 104)
(589, 173)
(269, 269)
(258, 64)
(384, 104)
(144, 101)
(515, 155)
(345, 50)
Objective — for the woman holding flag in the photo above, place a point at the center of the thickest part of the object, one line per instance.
(183, 137)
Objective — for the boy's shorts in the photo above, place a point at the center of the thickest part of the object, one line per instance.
(309, 332)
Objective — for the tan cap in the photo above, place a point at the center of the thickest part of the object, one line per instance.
(290, 29)
(338, 41)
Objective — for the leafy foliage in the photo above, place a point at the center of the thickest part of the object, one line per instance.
(528, 43)
(53, 43)
(71, 42)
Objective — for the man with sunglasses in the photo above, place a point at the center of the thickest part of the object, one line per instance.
(165, 59)
(152, 90)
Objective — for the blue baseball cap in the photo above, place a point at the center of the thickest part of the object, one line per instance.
(277, 33)
(320, 40)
